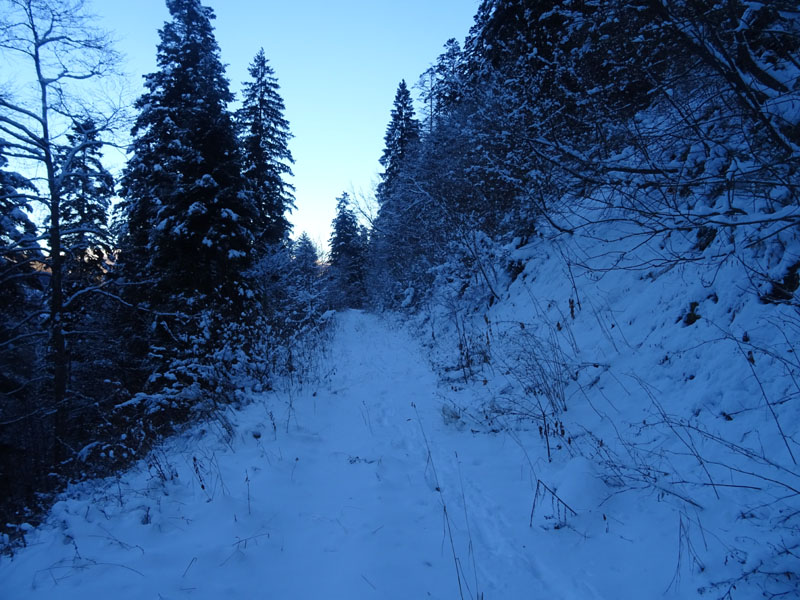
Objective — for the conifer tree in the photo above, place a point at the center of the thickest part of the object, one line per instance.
(17, 231)
(87, 189)
(21, 334)
(189, 219)
(266, 158)
(187, 235)
(396, 229)
(402, 137)
(347, 257)
(442, 84)
(305, 280)
(306, 258)
(18, 282)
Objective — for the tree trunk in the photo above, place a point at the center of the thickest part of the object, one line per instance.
(58, 348)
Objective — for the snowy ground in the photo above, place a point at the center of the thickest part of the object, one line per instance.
(344, 504)
(366, 487)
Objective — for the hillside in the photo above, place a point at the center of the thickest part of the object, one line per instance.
(661, 373)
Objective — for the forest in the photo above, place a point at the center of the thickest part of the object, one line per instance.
(596, 201)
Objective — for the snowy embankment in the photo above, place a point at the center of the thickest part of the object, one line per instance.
(653, 382)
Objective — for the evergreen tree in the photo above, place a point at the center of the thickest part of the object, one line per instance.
(305, 280)
(266, 158)
(187, 235)
(347, 257)
(17, 231)
(18, 281)
(21, 337)
(402, 137)
(305, 253)
(399, 227)
(442, 84)
(188, 218)
(87, 189)
(305, 258)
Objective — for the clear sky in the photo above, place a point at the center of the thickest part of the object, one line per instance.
(338, 63)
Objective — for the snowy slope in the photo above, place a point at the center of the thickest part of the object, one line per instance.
(667, 393)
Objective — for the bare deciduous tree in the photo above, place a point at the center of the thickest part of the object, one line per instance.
(57, 55)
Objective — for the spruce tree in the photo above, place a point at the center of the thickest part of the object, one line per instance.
(402, 137)
(396, 230)
(305, 282)
(87, 189)
(266, 158)
(305, 263)
(17, 231)
(21, 337)
(347, 257)
(19, 284)
(188, 218)
(187, 235)
(442, 84)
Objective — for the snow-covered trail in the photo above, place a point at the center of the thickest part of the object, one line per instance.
(364, 518)
(340, 500)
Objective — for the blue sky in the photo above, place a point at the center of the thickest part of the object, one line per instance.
(338, 64)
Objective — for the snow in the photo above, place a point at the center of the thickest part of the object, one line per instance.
(335, 501)
(678, 442)
(228, 214)
(197, 208)
(383, 479)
